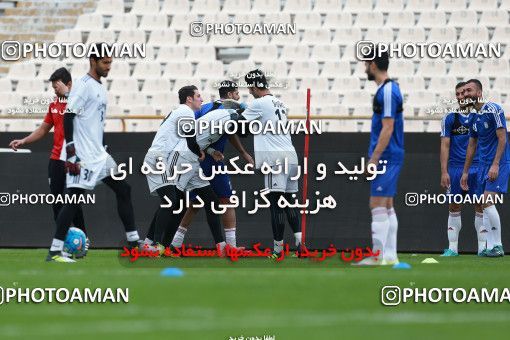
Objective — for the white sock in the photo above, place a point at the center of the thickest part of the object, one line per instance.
(230, 236)
(390, 252)
(380, 227)
(454, 226)
(495, 223)
(278, 246)
(179, 237)
(221, 245)
(148, 241)
(57, 245)
(297, 237)
(487, 225)
(132, 236)
(481, 232)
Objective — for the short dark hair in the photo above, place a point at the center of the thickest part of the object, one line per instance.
(61, 74)
(476, 82)
(99, 51)
(256, 78)
(381, 60)
(460, 84)
(185, 92)
(226, 86)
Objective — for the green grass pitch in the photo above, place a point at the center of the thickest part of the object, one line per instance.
(218, 299)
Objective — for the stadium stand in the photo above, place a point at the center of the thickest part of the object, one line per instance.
(320, 55)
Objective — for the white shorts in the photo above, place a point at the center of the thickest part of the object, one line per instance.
(282, 182)
(91, 173)
(187, 181)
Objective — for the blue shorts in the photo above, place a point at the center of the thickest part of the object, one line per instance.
(385, 185)
(220, 183)
(455, 173)
(500, 185)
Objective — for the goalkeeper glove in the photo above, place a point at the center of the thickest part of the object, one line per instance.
(72, 160)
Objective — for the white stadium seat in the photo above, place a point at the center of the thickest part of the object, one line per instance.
(277, 17)
(357, 5)
(474, 34)
(151, 22)
(345, 36)
(266, 6)
(335, 69)
(30, 86)
(324, 97)
(145, 7)
(182, 21)
(5, 85)
(131, 37)
(79, 68)
(421, 98)
(451, 5)
(315, 84)
(333, 109)
(442, 35)
(236, 6)
(201, 53)
(463, 68)
(110, 7)
(122, 85)
(369, 19)
(88, 20)
(381, 34)
(144, 125)
(420, 5)
(295, 52)
(443, 84)
(389, 5)
(147, 70)
(494, 18)
(207, 69)
(178, 69)
(161, 37)
(145, 110)
(356, 98)
(328, 6)
(253, 40)
(307, 20)
(48, 67)
(410, 84)
(325, 52)
(189, 40)
(336, 20)
(205, 6)
(223, 40)
(301, 69)
(411, 34)
(101, 36)
(122, 21)
(156, 85)
(22, 70)
(132, 98)
(400, 19)
(285, 39)
(402, 67)
(495, 67)
(503, 82)
(171, 53)
(432, 19)
(175, 7)
(119, 69)
(69, 36)
(502, 34)
(297, 6)
(10, 99)
(247, 18)
(113, 125)
(462, 18)
(164, 101)
(216, 17)
(344, 84)
(431, 67)
(261, 53)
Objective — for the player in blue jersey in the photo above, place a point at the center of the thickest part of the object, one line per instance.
(489, 135)
(386, 149)
(454, 142)
(220, 183)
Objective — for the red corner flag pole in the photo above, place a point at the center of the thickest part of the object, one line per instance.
(305, 176)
